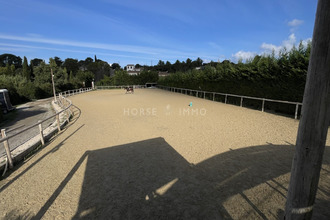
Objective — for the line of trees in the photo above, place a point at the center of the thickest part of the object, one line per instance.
(280, 77)
(121, 77)
(27, 81)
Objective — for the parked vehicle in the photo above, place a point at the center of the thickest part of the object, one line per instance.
(5, 101)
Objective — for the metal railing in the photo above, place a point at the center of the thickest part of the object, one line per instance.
(118, 87)
(62, 115)
(199, 93)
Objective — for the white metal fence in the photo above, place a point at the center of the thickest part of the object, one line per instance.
(119, 87)
(60, 118)
(214, 95)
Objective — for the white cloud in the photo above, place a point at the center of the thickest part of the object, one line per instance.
(288, 44)
(267, 48)
(21, 47)
(295, 23)
(91, 45)
(244, 55)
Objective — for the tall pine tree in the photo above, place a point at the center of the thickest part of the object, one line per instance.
(26, 73)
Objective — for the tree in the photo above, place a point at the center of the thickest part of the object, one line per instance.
(58, 61)
(147, 76)
(99, 69)
(26, 73)
(168, 66)
(85, 78)
(177, 66)
(121, 77)
(71, 65)
(10, 59)
(115, 66)
(188, 64)
(199, 62)
(36, 62)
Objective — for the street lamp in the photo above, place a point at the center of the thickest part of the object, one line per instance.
(51, 72)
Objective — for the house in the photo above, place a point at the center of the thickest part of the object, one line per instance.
(132, 70)
(130, 67)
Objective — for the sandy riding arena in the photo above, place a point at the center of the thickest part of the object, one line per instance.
(149, 155)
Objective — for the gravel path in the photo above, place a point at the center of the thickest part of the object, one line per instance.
(28, 114)
(148, 155)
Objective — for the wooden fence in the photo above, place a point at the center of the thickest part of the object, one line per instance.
(223, 97)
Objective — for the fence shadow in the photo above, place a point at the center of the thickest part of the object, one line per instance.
(150, 180)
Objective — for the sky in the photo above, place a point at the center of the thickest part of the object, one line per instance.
(146, 31)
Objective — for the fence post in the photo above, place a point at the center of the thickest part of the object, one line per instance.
(196, 93)
(296, 113)
(6, 144)
(241, 101)
(226, 99)
(58, 122)
(41, 134)
(213, 96)
(204, 95)
(263, 105)
(67, 113)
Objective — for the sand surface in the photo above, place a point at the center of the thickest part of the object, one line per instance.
(149, 155)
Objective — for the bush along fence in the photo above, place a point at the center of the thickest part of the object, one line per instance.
(243, 101)
(64, 112)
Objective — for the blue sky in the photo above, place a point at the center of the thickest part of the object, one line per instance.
(145, 31)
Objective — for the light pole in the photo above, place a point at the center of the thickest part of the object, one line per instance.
(51, 72)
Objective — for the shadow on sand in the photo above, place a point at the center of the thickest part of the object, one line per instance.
(150, 180)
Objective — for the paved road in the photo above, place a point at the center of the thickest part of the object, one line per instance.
(28, 114)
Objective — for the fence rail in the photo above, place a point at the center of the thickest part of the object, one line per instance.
(202, 94)
(119, 87)
(65, 106)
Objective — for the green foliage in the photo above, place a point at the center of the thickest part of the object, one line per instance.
(26, 72)
(121, 77)
(71, 65)
(34, 82)
(145, 77)
(36, 62)
(10, 59)
(85, 78)
(267, 76)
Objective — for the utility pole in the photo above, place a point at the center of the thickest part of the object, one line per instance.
(51, 72)
(313, 126)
